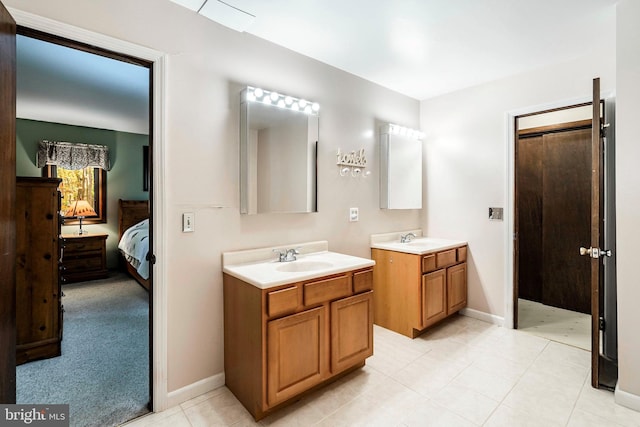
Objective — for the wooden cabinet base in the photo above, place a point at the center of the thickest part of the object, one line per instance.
(284, 342)
(414, 292)
(41, 350)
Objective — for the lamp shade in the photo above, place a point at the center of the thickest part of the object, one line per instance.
(80, 208)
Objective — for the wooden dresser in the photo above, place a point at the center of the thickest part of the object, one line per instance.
(84, 257)
(38, 302)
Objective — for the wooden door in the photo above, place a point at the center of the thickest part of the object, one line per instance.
(297, 357)
(7, 207)
(456, 287)
(553, 199)
(351, 331)
(434, 297)
(597, 235)
(566, 201)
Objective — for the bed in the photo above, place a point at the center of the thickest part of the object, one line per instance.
(131, 213)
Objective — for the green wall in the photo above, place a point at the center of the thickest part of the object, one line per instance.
(124, 180)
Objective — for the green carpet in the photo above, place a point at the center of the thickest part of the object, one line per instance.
(103, 373)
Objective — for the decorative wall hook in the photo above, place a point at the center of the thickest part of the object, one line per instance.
(352, 163)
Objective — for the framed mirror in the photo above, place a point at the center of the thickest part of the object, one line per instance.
(400, 167)
(278, 153)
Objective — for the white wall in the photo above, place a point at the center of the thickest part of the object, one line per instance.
(628, 200)
(466, 161)
(207, 66)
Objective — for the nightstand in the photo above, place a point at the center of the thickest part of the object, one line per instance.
(84, 257)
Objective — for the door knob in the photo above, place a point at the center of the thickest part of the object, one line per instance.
(595, 252)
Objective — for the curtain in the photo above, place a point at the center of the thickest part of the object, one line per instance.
(69, 155)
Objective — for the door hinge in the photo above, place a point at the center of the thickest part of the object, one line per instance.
(604, 127)
(601, 324)
(151, 258)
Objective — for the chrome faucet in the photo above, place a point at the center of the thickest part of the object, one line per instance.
(286, 255)
(406, 238)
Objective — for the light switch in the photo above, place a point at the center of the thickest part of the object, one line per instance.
(188, 222)
(495, 214)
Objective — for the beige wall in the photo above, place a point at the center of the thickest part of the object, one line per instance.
(466, 162)
(207, 66)
(628, 198)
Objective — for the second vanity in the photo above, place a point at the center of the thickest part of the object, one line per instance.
(292, 326)
(417, 282)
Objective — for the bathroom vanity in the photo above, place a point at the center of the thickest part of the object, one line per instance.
(417, 283)
(290, 327)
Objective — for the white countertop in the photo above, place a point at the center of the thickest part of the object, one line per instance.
(261, 268)
(419, 245)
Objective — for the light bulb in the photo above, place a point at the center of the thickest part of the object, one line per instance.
(250, 96)
(288, 100)
(281, 103)
(258, 92)
(308, 109)
(274, 96)
(316, 106)
(302, 103)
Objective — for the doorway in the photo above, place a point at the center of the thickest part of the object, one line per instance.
(552, 295)
(123, 285)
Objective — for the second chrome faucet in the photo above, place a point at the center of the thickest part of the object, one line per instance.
(286, 255)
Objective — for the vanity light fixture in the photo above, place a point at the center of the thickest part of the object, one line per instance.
(256, 94)
(404, 131)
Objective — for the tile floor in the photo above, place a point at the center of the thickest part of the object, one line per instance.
(556, 324)
(464, 372)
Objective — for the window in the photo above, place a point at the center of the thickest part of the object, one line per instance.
(88, 184)
(83, 170)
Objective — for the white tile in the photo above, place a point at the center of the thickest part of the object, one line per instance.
(466, 403)
(434, 415)
(602, 404)
(486, 383)
(505, 416)
(173, 417)
(223, 409)
(428, 375)
(541, 397)
(581, 418)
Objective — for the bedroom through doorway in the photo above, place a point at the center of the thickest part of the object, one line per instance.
(72, 93)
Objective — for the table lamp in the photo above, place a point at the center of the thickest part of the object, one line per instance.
(80, 209)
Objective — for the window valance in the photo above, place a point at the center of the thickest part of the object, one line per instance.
(70, 155)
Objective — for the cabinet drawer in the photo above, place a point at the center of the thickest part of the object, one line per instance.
(428, 263)
(327, 290)
(282, 301)
(362, 281)
(81, 264)
(82, 245)
(462, 254)
(445, 258)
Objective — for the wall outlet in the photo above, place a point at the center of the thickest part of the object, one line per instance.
(353, 214)
(188, 222)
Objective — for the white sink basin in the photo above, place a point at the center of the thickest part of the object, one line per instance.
(259, 268)
(419, 246)
(300, 266)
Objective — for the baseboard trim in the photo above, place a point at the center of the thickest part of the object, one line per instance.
(481, 315)
(627, 399)
(196, 389)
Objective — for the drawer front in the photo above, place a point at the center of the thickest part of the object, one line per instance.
(82, 264)
(327, 290)
(282, 301)
(428, 263)
(82, 245)
(362, 281)
(445, 258)
(462, 254)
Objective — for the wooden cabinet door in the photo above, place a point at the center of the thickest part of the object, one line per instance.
(456, 287)
(434, 297)
(351, 331)
(297, 356)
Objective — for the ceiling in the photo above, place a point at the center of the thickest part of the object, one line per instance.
(421, 48)
(425, 48)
